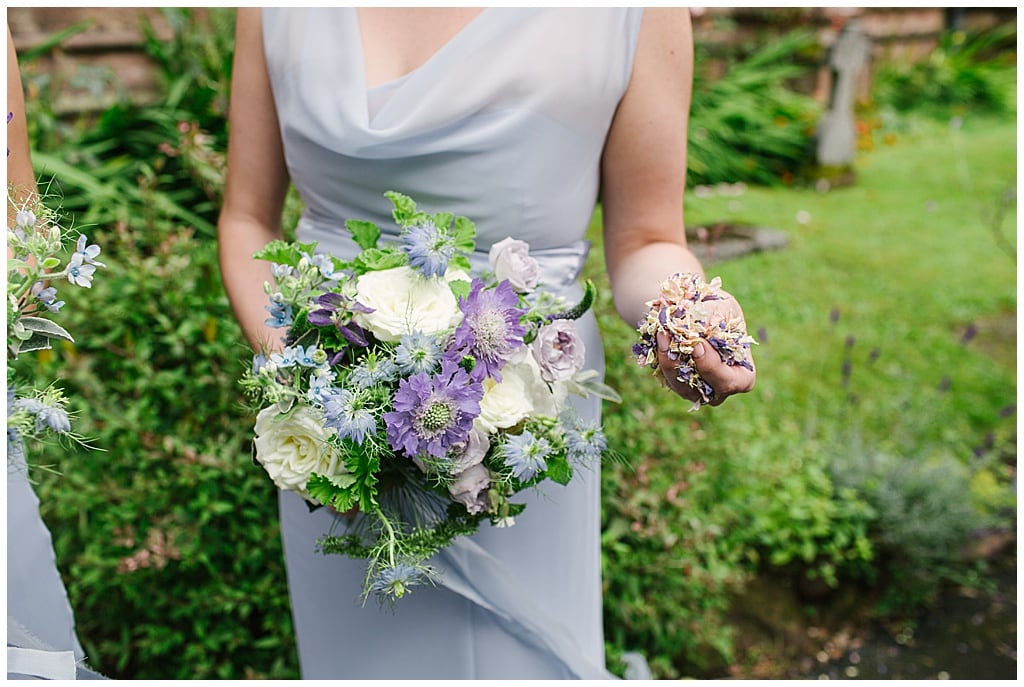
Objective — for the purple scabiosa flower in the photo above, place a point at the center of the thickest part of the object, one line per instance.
(336, 310)
(432, 413)
(429, 248)
(347, 412)
(490, 331)
(417, 352)
(526, 454)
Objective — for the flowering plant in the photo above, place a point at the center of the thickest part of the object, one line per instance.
(37, 260)
(681, 311)
(413, 396)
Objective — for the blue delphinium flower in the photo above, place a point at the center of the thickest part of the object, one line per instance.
(346, 412)
(490, 331)
(526, 454)
(80, 273)
(47, 296)
(321, 385)
(280, 315)
(286, 358)
(417, 352)
(429, 248)
(88, 252)
(431, 413)
(584, 441)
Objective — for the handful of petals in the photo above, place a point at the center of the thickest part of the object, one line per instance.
(682, 312)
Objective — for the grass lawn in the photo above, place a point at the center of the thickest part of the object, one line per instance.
(887, 328)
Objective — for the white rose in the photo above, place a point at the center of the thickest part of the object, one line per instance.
(404, 302)
(510, 259)
(294, 446)
(504, 403)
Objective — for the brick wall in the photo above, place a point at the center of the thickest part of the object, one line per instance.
(88, 65)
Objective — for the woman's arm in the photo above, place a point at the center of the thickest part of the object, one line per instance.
(643, 182)
(256, 185)
(21, 181)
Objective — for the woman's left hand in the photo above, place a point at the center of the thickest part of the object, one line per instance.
(725, 379)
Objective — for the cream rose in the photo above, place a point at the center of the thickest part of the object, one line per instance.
(404, 302)
(294, 446)
(506, 402)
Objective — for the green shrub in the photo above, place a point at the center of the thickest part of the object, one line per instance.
(749, 125)
(966, 73)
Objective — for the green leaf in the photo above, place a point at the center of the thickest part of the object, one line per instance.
(460, 288)
(46, 328)
(335, 490)
(376, 259)
(285, 252)
(559, 471)
(364, 233)
(404, 207)
(442, 220)
(464, 233)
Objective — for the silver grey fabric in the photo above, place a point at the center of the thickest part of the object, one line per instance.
(506, 125)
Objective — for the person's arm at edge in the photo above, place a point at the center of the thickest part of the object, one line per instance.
(256, 183)
(643, 182)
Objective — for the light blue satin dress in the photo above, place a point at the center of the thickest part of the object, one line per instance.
(505, 124)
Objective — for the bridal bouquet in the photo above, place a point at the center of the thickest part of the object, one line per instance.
(412, 397)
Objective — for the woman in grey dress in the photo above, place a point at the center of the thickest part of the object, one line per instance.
(515, 118)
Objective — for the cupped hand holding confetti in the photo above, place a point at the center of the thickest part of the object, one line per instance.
(689, 317)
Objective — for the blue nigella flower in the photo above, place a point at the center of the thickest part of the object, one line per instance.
(584, 441)
(395, 581)
(54, 418)
(373, 371)
(345, 412)
(417, 352)
(429, 248)
(526, 454)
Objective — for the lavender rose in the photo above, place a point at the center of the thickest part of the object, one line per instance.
(559, 351)
(470, 488)
(510, 259)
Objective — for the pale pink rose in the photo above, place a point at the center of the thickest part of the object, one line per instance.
(559, 351)
(510, 259)
(470, 452)
(470, 488)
